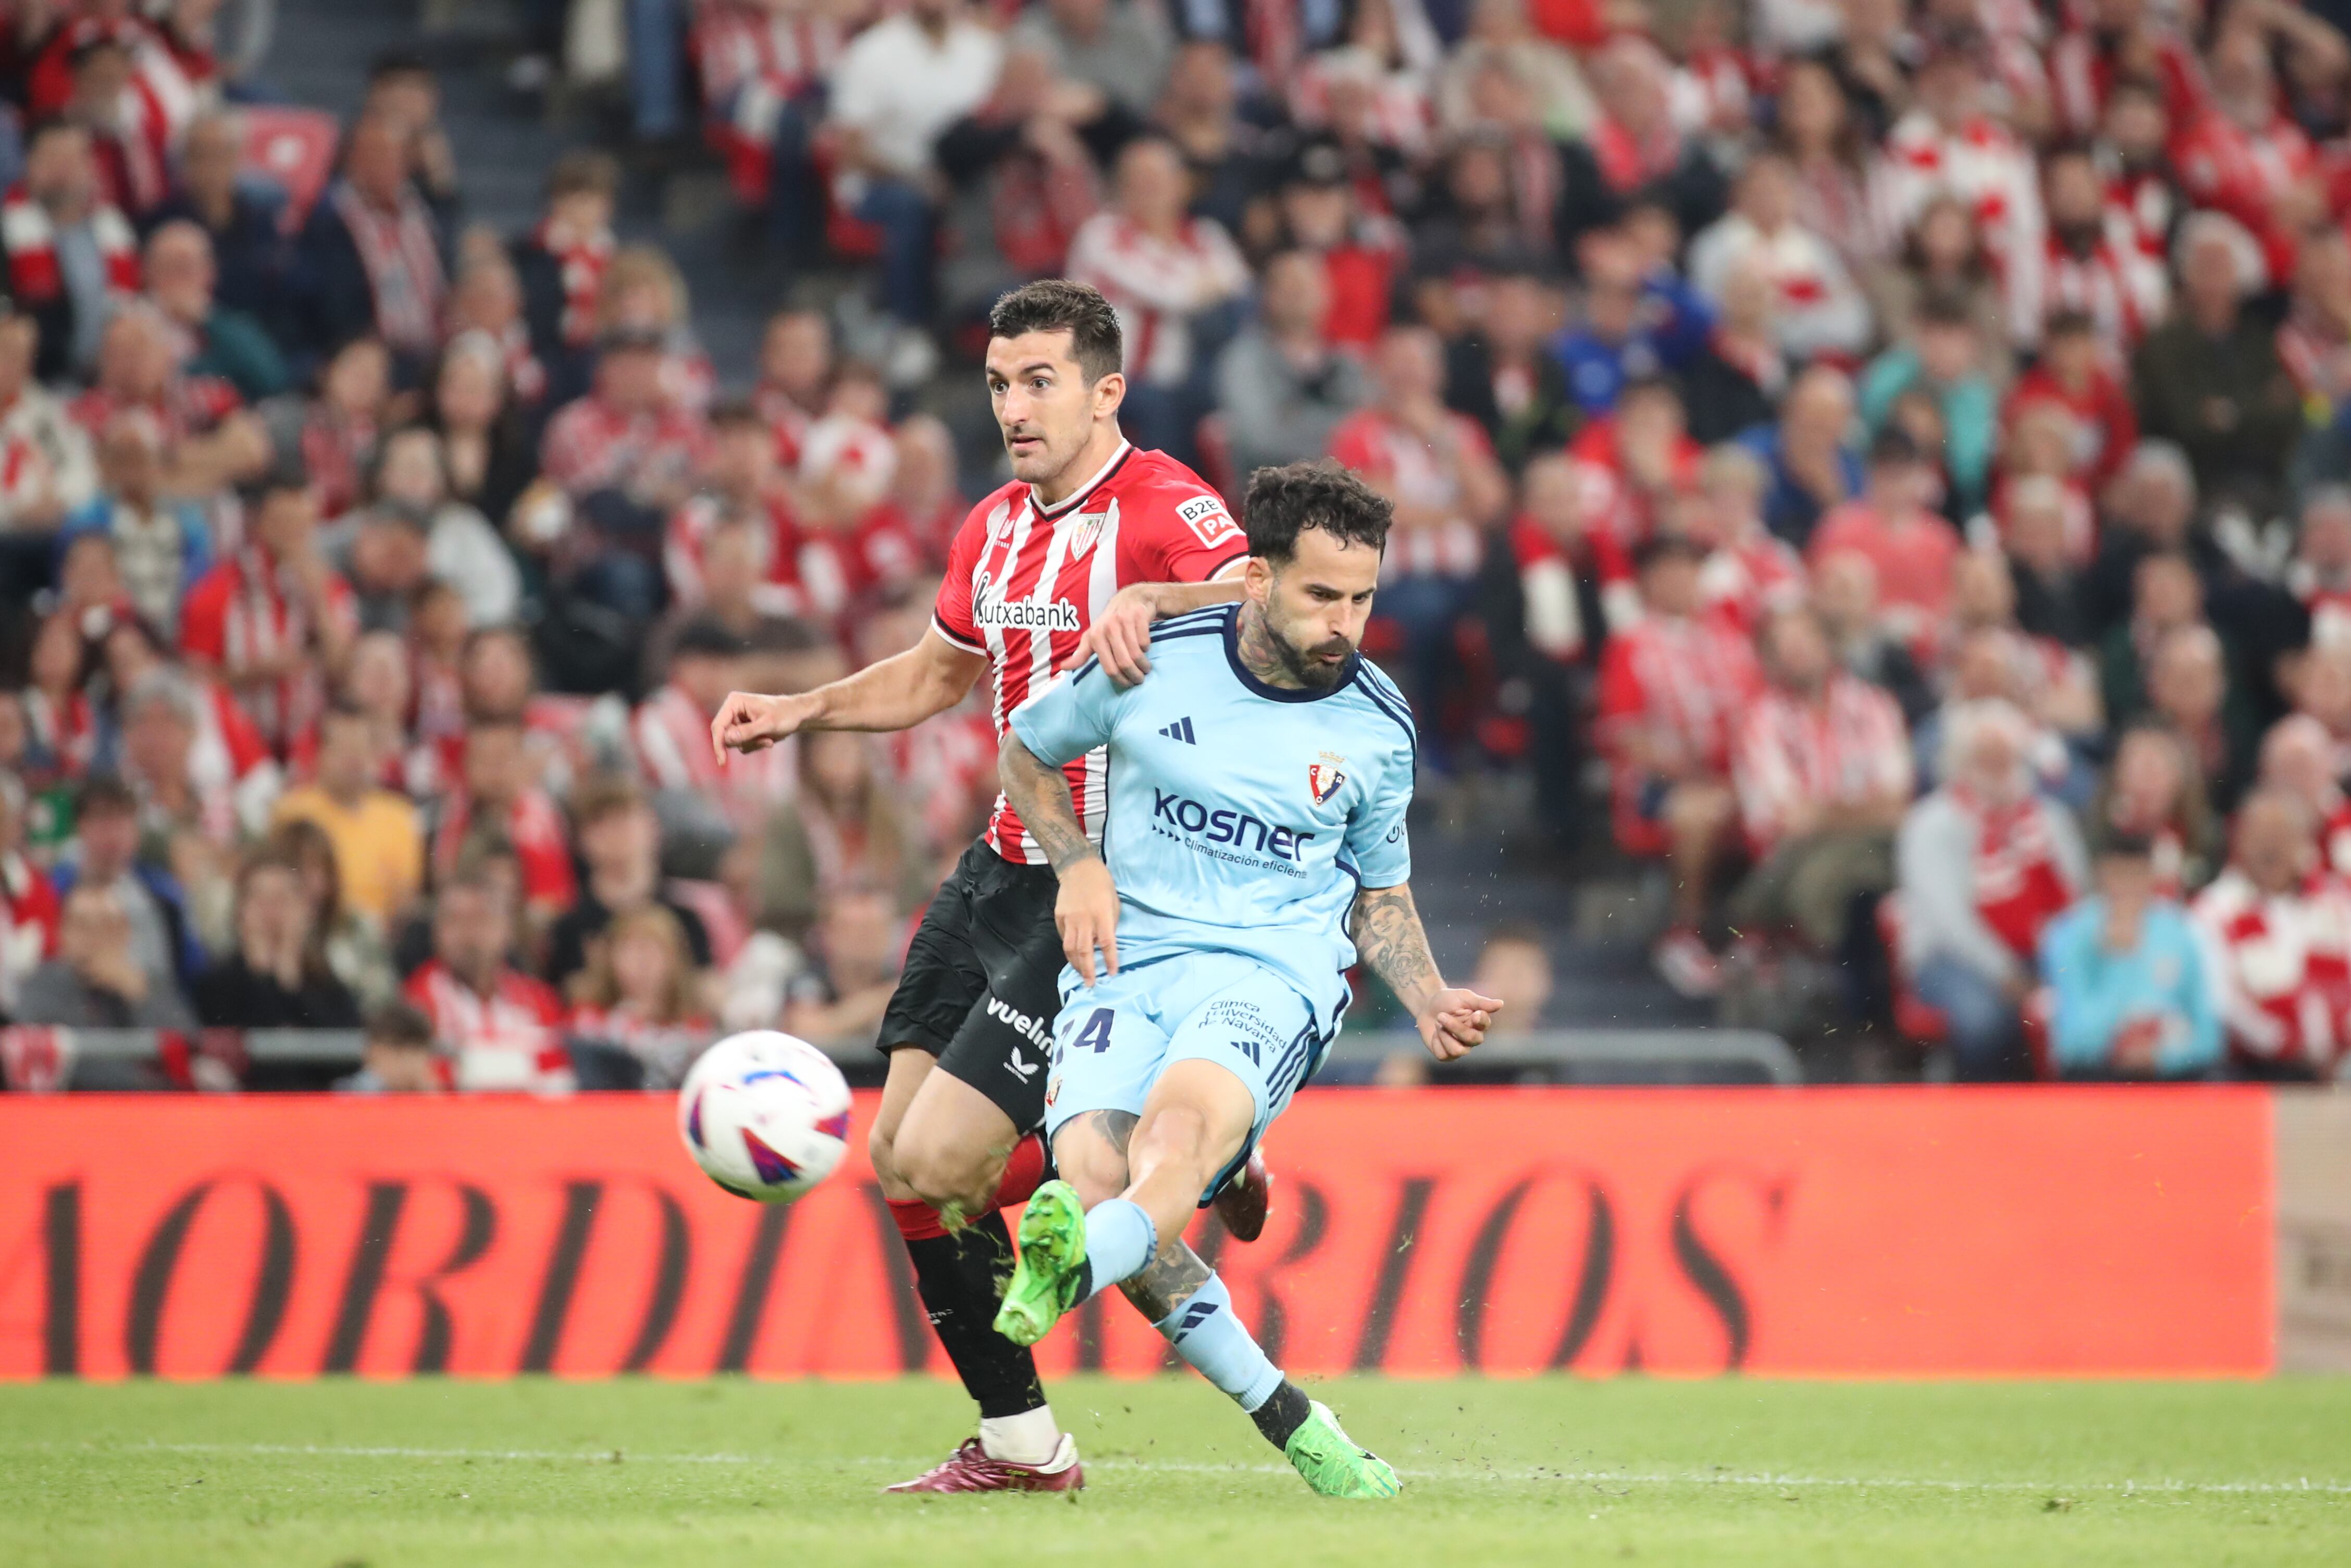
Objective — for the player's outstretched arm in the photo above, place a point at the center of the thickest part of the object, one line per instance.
(1121, 635)
(1086, 909)
(1387, 933)
(897, 693)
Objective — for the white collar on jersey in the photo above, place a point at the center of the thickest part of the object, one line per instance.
(1084, 490)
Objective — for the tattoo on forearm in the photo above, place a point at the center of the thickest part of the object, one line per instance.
(1041, 796)
(1387, 934)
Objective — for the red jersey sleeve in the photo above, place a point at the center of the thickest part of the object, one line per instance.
(951, 612)
(1182, 533)
(204, 617)
(1621, 697)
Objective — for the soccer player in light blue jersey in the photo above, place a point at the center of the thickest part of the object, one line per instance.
(1258, 779)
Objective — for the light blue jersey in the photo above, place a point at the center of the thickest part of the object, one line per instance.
(1243, 817)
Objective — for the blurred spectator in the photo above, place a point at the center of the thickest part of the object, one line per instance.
(162, 547)
(1174, 280)
(2319, 576)
(672, 732)
(69, 253)
(274, 620)
(2131, 988)
(1514, 967)
(2281, 928)
(2042, 564)
(2187, 688)
(2151, 791)
(2209, 377)
(1022, 170)
(2167, 596)
(216, 340)
(1735, 381)
(620, 847)
(1892, 526)
(97, 980)
(1943, 256)
(902, 81)
(488, 454)
(277, 977)
(841, 997)
(1635, 148)
(1632, 326)
(1280, 386)
(250, 250)
(355, 943)
(840, 828)
(1672, 686)
(374, 255)
(378, 848)
(1818, 307)
(1808, 454)
(1121, 48)
(1844, 596)
(496, 795)
(461, 547)
(1940, 360)
(637, 1019)
(146, 897)
(1982, 865)
(1323, 211)
(1504, 377)
(1825, 147)
(498, 1024)
(47, 473)
(396, 1054)
(2092, 269)
(560, 265)
(29, 905)
(1822, 768)
(741, 492)
(2075, 372)
(1437, 466)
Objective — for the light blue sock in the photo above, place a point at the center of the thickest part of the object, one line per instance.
(1120, 1242)
(1206, 1332)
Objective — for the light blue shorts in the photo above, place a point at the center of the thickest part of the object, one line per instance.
(1112, 1043)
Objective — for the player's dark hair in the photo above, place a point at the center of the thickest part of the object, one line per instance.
(1284, 502)
(1058, 305)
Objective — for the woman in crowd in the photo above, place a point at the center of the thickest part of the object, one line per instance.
(638, 1014)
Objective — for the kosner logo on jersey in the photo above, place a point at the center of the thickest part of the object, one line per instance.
(989, 608)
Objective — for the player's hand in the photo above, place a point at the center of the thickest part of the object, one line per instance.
(1086, 914)
(1120, 636)
(1455, 1022)
(748, 721)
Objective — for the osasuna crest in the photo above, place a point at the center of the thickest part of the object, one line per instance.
(1322, 778)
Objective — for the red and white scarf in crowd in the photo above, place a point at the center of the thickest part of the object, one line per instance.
(580, 261)
(30, 238)
(1628, 162)
(2020, 884)
(2285, 962)
(402, 257)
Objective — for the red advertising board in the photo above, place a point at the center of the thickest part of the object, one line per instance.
(1822, 1232)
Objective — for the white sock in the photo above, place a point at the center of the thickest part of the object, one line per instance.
(1028, 1438)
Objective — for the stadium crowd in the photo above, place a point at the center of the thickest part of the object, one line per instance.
(1892, 465)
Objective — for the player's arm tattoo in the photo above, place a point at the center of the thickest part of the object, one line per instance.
(1041, 796)
(1386, 930)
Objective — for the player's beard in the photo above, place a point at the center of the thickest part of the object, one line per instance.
(1308, 666)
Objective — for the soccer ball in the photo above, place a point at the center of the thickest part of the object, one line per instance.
(764, 1115)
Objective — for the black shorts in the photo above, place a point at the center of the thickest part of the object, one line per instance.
(983, 980)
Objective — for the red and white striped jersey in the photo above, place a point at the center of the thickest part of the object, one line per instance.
(2285, 967)
(1399, 462)
(534, 825)
(1989, 170)
(1024, 580)
(672, 740)
(508, 1039)
(246, 608)
(2120, 286)
(1157, 285)
(1841, 749)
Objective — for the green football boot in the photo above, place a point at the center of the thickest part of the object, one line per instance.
(1332, 1462)
(1044, 1283)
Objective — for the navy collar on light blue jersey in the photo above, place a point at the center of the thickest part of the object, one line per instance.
(1281, 694)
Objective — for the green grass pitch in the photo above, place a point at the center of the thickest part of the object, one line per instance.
(331, 1475)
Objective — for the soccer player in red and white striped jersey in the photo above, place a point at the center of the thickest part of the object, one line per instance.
(1091, 540)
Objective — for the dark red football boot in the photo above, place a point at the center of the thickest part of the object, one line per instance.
(969, 1468)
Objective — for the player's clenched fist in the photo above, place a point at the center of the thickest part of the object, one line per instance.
(1086, 913)
(748, 722)
(1456, 1021)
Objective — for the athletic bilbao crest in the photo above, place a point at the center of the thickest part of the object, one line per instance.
(1086, 528)
(1322, 778)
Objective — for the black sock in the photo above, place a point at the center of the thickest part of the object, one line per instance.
(1282, 1415)
(961, 1281)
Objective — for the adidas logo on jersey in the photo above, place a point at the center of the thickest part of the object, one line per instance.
(1181, 730)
